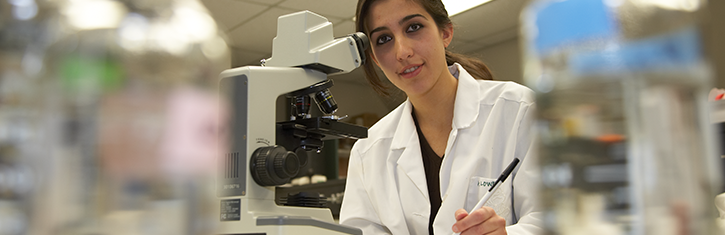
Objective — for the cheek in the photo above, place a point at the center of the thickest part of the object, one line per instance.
(384, 58)
(431, 47)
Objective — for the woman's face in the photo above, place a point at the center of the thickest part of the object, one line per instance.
(407, 45)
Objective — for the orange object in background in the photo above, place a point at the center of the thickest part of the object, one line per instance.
(611, 138)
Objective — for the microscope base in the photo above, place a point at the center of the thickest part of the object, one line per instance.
(265, 217)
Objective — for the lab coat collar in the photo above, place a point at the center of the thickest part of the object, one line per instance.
(465, 111)
(405, 139)
(405, 131)
(406, 136)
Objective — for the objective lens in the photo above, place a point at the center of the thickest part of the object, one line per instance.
(325, 101)
(302, 105)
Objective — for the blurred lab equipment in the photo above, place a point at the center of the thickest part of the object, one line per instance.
(717, 117)
(122, 117)
(21, 28)
(720, 204)
(263, 153)
(624, 137)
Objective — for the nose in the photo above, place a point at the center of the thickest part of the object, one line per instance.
(403, 49)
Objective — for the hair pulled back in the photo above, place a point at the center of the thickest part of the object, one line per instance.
(438, 12)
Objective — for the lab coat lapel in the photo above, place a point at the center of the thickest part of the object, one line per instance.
(410, 160)
(465, 113)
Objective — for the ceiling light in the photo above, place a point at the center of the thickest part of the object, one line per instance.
(457, 6)
(95, 14)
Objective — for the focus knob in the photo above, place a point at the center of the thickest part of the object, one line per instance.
(274, 165)
(286, 165)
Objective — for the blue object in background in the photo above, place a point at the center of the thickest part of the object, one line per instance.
(673, 51)
(563, 22)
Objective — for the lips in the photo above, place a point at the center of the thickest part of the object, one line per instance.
(410, 71)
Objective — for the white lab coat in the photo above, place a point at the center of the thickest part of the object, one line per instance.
(386, 191)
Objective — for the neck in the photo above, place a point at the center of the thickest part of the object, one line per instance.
(435, 107)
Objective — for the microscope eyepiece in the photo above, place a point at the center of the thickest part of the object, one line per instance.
(362, 42)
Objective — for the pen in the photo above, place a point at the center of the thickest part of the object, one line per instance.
(505, 174)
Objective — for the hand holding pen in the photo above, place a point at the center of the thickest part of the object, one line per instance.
(484, 220)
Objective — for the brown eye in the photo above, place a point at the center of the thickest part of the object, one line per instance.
(383, 39)
(414, 27)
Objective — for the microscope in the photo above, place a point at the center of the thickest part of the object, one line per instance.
(263, 153)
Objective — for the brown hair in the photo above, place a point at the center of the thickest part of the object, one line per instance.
(435, 8)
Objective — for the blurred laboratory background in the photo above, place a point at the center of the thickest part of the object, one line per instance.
(109, 115)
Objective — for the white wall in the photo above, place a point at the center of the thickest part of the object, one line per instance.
(504, 60)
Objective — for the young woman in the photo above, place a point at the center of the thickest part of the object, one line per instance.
(429, 161)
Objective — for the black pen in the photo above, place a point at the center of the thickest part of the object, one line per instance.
(495, 185)
(505, 174)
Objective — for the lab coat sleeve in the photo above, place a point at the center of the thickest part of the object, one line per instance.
(526, 196)
(357, 210)
(526, 184)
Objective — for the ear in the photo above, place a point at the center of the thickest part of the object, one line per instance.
(447, 34)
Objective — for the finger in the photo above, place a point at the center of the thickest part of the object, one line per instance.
(474, 218)
(493, 226)
(460, 214)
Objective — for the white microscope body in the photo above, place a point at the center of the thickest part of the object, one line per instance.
(263, 153)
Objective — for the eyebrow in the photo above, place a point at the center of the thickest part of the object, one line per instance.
(399, 22)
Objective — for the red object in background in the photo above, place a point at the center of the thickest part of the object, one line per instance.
(719, 97)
